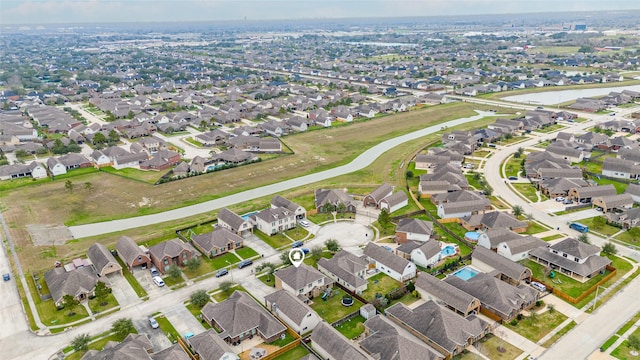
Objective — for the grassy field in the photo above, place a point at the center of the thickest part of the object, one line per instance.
(512, 166)
(275, 241)
(535, 227)
(555, 337)
(332, 309)
(246, 252)
(296, 353)
(604, 230)
(536, 327)
(352, 328)
(121, 197)
(527, 190)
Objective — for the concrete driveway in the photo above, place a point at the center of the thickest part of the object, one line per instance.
(145, 280)
(122, 291)
(259, 246)
(183, 320)
(157, 336)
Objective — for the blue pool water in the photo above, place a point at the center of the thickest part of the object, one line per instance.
(472, 236)
(213, 167)
(448, 250)
(465, 273)
(247, 215)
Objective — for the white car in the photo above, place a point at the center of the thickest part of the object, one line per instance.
(559, 199)
(158, 281)
(304, 223)
(153, 323)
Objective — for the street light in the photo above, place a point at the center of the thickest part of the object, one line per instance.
(595, 301)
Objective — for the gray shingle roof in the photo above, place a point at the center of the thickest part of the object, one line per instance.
(454, 196)
(615, 201)
(386, 342)
(613, 164)
(381, 192)
(495, 219)
(576, 248)
(345, 266)
(241, 313)
(174, 352)
(100, 256)
(299, 277)
(218, 238)
(338, 347)
(415, 226)
(279, 201)
(289, 305)
(465, 206)
(595, 191)
(171, 248)
(229, 217)
(502, 264)
(133, 347)
(592, 264)
(74, 282)
(450, 295)
(128, 250)
(209, 345)
(390, 260)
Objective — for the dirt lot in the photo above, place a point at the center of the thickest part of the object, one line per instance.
(112, 196)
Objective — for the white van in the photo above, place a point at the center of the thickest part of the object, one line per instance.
(538, 286)
(158, 281)
(304, 223)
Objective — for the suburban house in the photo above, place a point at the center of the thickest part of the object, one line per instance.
(374, 198)
(334, 198)
(209, 346)
(555, 173)
(346, 269)
(303, 280)
(133, 347)
(292, 311)
(332, 345)
(274, 220)
(497, 297)
(103, 260)
(495, 264)
(409, 229)
(176, 352)
(232, 221)
(79, 283)
(171, 253)
(450, 173)
(463, 208)
(634, 191)
(573, 258)
(280, 202)
(455, 196)
(447, 332)
(213, 138)
(518, 249)
(426, 254)
(217, 242)
(386, 340)
(620, 169)
(386, 262)
(56, 167)
(241, 317)
(394, 202)
(627, 219)
(433, 289)
(614, 202)
(493, 220)
(38, 171)
(427, 189)
(131, 254)
(586, 194)
(490, 239)
(559, 186)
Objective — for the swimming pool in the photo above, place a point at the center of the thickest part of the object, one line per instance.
(247, 215)
(472, 236)
(466, 273)
(448, 250)
(213, 167)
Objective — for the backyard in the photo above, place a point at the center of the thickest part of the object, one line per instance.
(489, 345)
(536, 327)
(352, 328)
(382, 284)
(296, 353)
(332, 309)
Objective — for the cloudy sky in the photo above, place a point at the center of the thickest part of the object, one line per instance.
(101, 11)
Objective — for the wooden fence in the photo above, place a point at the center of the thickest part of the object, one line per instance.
(559, 293)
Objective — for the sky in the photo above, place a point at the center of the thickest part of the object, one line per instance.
(103, 11)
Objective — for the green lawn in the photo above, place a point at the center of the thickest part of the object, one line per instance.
(268, 280)
(149, 177)
(626, 237)
(380, 284)
(96, 305)
(620, 187)
(559, 334)
(167, 328)
(94, 345)
(551, 128)
(527, 190)
(332, 309)
(605, 230)
(552, 237)
(497, 203)
(628, 325)
(352, 328)
(309, 260)
(591, 166)
(49, 314)
(222, 296)
(224, 261)
(512, 167)
(196, 311)
(623, 267)
(206, 267)
(624, 351)
(246, 252)
(282, 342)
(275, 241)
(610, 341)
(535, 328)
(535, 227)
(296, 353)
(513, 140)
(170, 281)
(298, 233)
(131, 279)
(481, 153)
(488, 346)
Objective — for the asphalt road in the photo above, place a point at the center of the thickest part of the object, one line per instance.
(360, 162)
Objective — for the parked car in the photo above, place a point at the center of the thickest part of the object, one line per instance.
(222, 272)
(304, 223)
(6, 277)
(153, 323)
(245, 263)
(158, 281)
(469, 166)
(513, 178)
(297, 244)
(305, 250)
(560, 199)
(567, 202)
(154, 271)
(538, 286)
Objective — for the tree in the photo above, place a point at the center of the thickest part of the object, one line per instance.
(69, 302)
(174, 271)
(270, 267)
(123, 327)
(114, 137)
(193, 264)
(518, 153)
(584, 238)
(633, 342)
(327, 207)
(598, 222)
(225, 286)
(199, 298)
(635, 233)
(332, 245)
(80, 343)
(585, 49)
(99, 138)
(68, 185)
(609, 249)
(284, 257)
(409, 174)
(20, 153)
(517, 210)
(316, 252)
(410, 286)
(384, 219)
(101, 291)
(88, 186)
(341, 208)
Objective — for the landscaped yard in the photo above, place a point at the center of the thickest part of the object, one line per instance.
(604, 230)
(551, 128)
(353, 328)
(49, 314)
(297, 233)
(246, 252)
(332, 309)
(224, 261)
(559, 334)
(275, 241)
(527, 190)
(196, 311)
(620, 187)
(206, 267)
(380, 284)
(626, 237)
(222, 296)
(513, 140)
(497, 203)
(535, 227)
(535, 328)
(171, 281)
(282, 342)
(592, 166)
(96, 305)
(489, 345)
(94, 345)
(311, 261)
(513, 165)
(296, 353)
(624, 351)
(167, 328)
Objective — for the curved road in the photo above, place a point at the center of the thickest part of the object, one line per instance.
(360, 162)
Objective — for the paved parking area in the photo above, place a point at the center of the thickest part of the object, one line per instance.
(122, 291)
(157, 337)
(182, 320)
(144, 278)
(259, 246)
